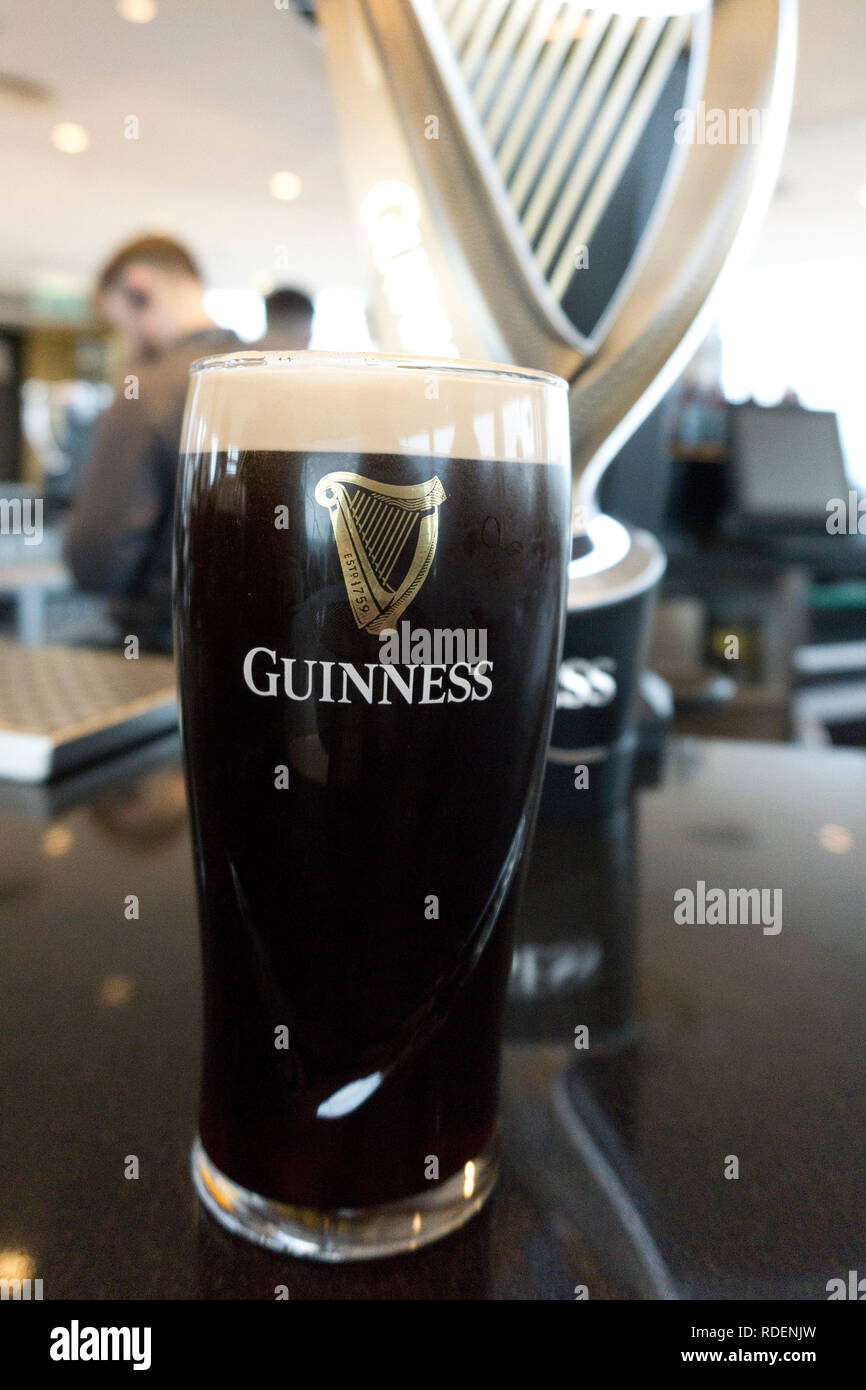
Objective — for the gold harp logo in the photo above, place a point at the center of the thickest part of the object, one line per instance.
(386, 538)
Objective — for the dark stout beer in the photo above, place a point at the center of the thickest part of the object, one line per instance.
(367, 646)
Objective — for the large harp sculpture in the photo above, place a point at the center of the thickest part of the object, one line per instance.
(488, 144)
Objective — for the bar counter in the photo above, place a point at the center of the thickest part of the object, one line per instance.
(708, 1141)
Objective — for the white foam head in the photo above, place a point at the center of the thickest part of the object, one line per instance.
(370, 403)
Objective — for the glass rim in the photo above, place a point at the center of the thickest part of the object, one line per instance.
(457, 366)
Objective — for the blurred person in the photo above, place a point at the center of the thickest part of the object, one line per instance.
(119, 541)
(290, 321)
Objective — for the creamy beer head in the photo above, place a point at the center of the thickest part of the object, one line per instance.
(332, 402)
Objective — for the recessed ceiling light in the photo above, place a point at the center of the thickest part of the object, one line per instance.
(285, 185)
(70, 138)
(861, 195)
(836, 839)
(137, 11)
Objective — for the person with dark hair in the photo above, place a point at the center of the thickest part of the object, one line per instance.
(119, 540)
(290, 320)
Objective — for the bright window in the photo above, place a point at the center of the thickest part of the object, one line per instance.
(801, 325)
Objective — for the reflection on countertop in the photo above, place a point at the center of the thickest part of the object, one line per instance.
(642, 1056)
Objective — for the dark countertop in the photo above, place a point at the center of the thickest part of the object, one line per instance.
(706, 1042)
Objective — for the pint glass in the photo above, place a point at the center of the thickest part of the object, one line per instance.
(370, 568)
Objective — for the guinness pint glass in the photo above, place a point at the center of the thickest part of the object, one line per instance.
(370, 567)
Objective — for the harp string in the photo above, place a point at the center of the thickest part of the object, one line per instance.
(384, 528)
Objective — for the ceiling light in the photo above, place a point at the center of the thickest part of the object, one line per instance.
(836, 839)
(285, 185)
(70, 138)
(137, 11)
(861, 195)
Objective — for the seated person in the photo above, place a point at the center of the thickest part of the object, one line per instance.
(119, 540)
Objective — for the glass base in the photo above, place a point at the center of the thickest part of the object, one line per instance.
(360, 1233)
